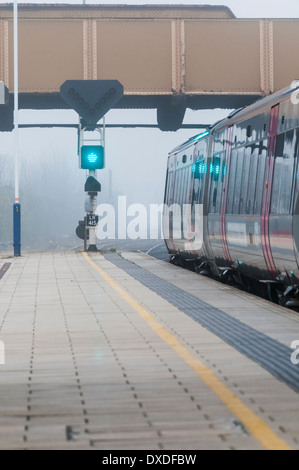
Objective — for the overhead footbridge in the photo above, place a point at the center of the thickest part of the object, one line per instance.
(169, 57)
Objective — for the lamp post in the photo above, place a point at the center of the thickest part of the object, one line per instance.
(17, 205)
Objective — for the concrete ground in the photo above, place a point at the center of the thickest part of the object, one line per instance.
(96, 360)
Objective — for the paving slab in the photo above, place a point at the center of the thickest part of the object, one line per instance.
(85, 371)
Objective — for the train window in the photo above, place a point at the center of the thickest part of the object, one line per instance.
(220, 183)
(180, 188)
(176, 187)
(252, 179)
(172, 189)
(169, 191)
(276, 185)
(279, 146)
(196, 195)
(219, 142)
(231, 184)
(188, 184)
(245, 179)
(212, 202)
(238, 182)
(283, 180)
(216, 183)
(185, 186)
(260, 178)
(166, 187)
(195, 192)
(286, 185)
(199, 170)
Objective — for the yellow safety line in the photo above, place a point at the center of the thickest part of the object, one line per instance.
(256, 426)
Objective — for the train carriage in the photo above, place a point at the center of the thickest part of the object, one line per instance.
(243, 172)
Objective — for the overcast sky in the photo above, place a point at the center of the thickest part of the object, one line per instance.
(241, 8)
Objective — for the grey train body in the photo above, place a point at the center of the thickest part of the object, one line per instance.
(243, 172)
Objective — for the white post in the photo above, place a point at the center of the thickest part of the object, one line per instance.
(17, 205)
(16, 103)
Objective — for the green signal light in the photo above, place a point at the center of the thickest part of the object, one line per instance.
(92, 157)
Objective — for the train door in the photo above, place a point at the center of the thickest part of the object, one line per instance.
(224, 198)
(267, 193)
(168, 201)
(282, 201)
(219, 167)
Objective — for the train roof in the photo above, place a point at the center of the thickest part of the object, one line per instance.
(242, 114)
(190, 142)
(259, 106)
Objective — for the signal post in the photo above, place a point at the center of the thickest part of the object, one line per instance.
(92, 158)
(91, 99)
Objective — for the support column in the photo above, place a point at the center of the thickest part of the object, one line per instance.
(178, 57)
(90, 50)
(266, 57)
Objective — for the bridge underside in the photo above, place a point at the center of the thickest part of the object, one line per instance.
(170, 115)
(169, 57)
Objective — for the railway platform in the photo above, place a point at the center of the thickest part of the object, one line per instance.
(125, 352)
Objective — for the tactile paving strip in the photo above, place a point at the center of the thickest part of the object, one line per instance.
(4, 269)
(260, 348)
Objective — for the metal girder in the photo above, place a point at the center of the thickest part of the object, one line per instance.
(201, 54)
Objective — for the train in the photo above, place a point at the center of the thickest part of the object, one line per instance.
(241, 177)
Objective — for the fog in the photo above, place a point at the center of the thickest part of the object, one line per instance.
(52, 186)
